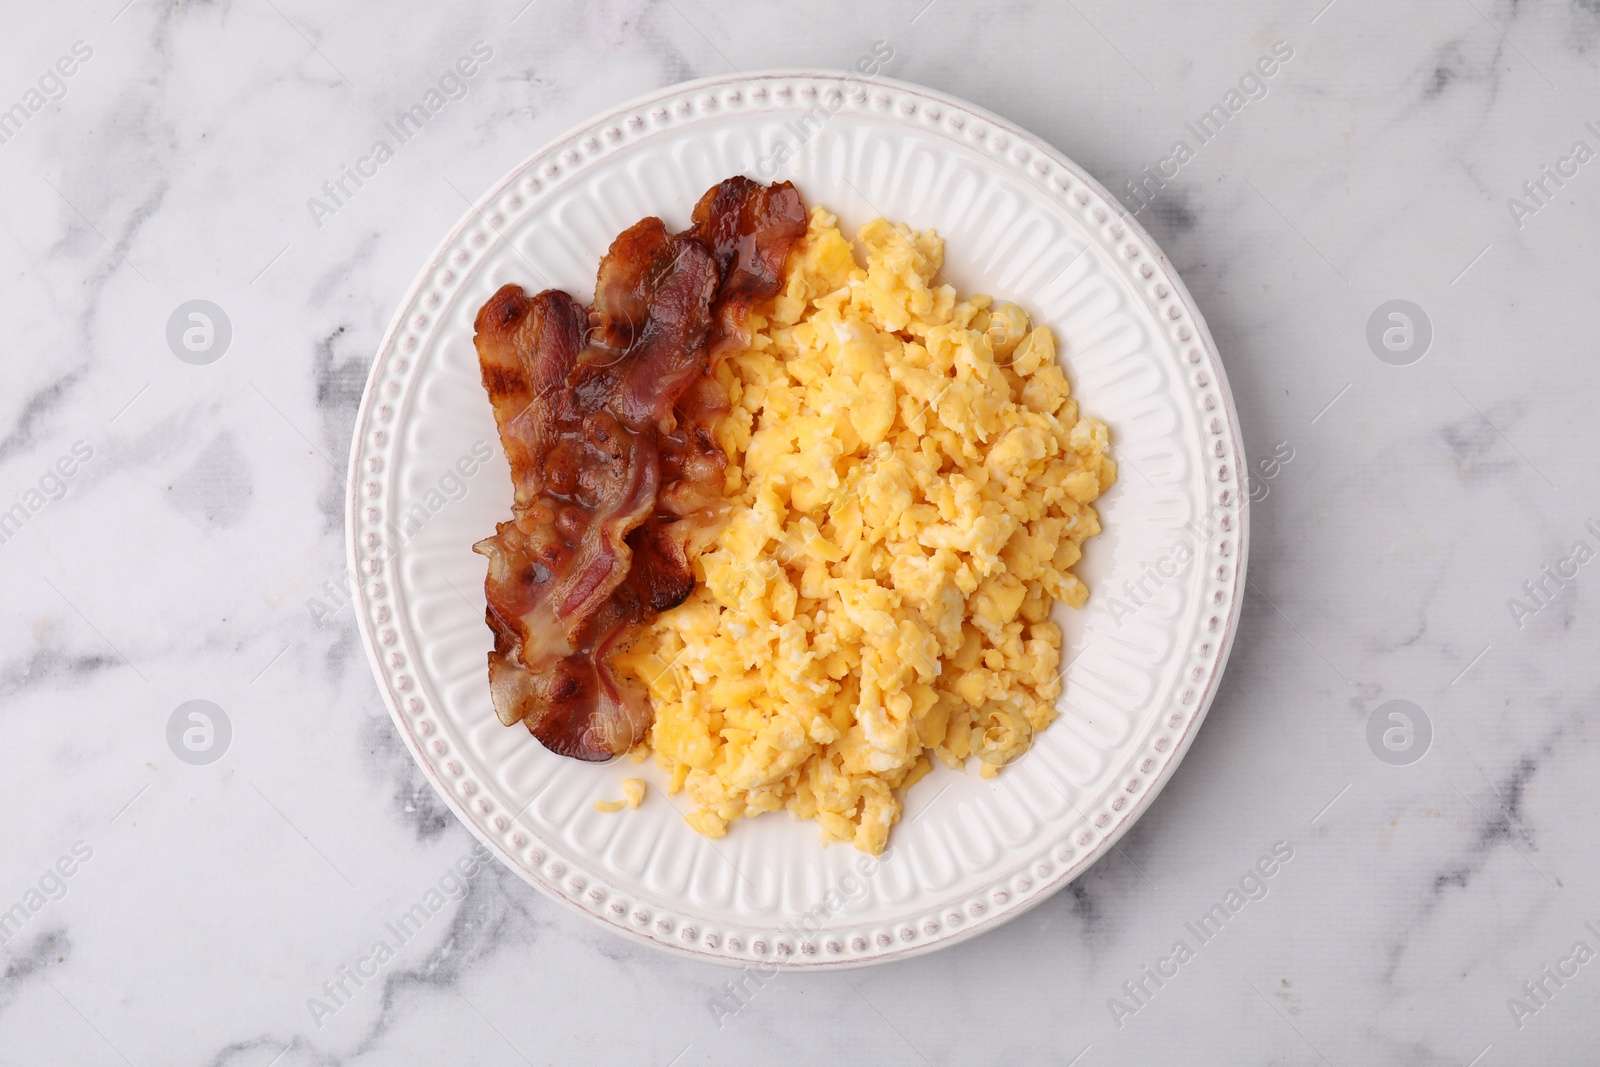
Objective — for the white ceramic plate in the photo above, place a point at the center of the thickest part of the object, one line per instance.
(1022, 223)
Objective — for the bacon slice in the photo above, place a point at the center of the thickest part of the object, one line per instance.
(606, 415)
(526, 348)
(749, 228)
(653, 299)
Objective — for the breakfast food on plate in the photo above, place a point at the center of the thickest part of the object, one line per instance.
(606, 416)
(910, 482)
(632, 796)
(870, 495)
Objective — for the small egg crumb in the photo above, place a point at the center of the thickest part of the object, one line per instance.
(632, 796)
(910, 482)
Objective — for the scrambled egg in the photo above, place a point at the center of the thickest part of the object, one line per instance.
(911, 481)
(632, 796)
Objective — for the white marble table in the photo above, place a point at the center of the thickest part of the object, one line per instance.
(179, 538)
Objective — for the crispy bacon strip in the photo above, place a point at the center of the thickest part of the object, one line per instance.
(526, 348)
(749, 228)
(607, 416)
(663, 335)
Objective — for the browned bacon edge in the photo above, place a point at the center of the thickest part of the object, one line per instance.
(607, 417)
